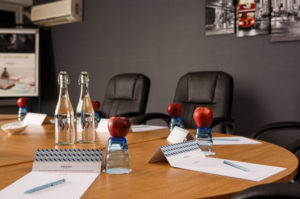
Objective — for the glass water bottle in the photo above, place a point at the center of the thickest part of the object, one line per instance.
(117, 156)
(204, 139)
(64, 114)
(85, 112)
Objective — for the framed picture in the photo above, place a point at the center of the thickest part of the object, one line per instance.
(219, 17)
(285, 20)
(253, 17)
(19, 62)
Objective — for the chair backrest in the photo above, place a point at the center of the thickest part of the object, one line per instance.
(213, 89)
(126, 93)
(271, 190)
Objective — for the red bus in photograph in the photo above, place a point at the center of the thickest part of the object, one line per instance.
(246, 13)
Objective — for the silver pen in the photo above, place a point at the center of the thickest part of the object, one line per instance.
(235, 165)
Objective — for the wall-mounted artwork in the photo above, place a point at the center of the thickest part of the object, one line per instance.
(219, 17)
(285, 20)
(19, 58)
(253, 17)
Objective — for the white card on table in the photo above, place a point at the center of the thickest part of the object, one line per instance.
(177, 135)
(163, 152)
(102, 126)
(35, 118)
(68, 160)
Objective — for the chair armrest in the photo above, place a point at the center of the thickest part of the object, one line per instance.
(276, 125)
(128, 114)
(150, 116)
(295, 148)
(101, 114)
(272, 190)
(227, 123)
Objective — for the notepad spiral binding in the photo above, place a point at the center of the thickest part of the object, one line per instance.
(178, 148)
(68, 155)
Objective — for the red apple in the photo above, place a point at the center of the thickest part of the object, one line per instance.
(118, 126)
(96, 105)
(203, 116)
(22, 102)
(174, 110)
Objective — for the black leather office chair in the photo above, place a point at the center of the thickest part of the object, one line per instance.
(213, 89)
(285, 134)
(126, 95)
(272, 190)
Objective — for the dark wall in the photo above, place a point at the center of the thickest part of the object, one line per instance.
(164, 39)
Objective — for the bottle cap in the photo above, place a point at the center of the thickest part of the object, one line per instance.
(63, 78)
(96, 105)
(174, 110)
(203, 116)
(83, 78)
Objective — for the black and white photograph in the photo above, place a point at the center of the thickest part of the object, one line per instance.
(17, 43)
(253, 17)
(285, 20)
(19, 54)
(219, 17)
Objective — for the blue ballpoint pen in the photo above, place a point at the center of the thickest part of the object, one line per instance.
(235, 165)
(45, 186)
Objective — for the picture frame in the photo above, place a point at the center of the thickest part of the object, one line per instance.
(19, 62)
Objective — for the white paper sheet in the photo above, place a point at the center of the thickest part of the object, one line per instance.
(256, 172)
(188, 155)
(233, 140)
(141, 128)
(74, 186)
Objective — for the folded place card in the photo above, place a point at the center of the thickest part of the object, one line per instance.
(102, 126)
(35, 118)
(165, 152)
(188, 155)
(77, 167)
(179, 135)
(65, 160)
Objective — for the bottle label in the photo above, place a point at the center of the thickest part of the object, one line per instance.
(63, 122)
(85, 123)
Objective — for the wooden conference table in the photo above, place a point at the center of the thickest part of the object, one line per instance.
(158, 180)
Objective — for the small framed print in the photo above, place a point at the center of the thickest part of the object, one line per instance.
(19, 62)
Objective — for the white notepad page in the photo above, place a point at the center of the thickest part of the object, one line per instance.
(79, 168)
(74, 186)
(233, 140)
(256, 172)
(188, 155)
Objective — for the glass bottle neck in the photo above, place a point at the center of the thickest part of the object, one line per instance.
(63, 91)
(84, 90)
